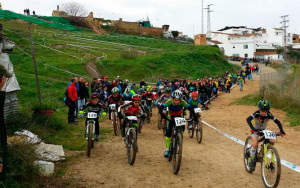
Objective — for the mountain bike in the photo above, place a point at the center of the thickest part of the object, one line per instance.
(149, 110)
(175, 150)
(130, 138)
(268, 157)
(114, 117)
(196, 125)
(90, 134)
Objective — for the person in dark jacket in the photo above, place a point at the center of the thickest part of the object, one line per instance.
(203, 92)
(81, 93)
(143, 83)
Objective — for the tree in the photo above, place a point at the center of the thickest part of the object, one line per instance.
(175, 34)
(74, 9)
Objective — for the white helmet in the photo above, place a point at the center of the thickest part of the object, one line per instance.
(177, 94)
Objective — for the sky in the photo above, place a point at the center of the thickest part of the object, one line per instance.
(181, 15)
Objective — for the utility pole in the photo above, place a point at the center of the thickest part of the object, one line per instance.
(202, 19)
(34, 66)
(208, 22)
(284, 26)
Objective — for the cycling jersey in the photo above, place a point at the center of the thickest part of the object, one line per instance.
(260, 122)
(115, 100)
(127, 96)
(194, 104)
(176, 110)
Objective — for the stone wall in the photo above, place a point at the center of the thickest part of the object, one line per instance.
(136, 29)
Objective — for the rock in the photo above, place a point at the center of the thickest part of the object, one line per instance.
(45, 168)
(50, 152)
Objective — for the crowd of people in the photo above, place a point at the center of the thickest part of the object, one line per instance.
(78, 91)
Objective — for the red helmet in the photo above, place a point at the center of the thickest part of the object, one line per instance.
(136, 97)
(195, 94)
(95, 95)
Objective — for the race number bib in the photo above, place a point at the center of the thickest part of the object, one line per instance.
(126, 102)
(112, 106)
(197, 110)
(92, 115)
(179, 122)
(132, 118)
(269, 134)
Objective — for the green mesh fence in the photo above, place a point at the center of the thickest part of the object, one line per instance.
(54, 22)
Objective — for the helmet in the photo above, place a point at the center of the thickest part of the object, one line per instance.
(141, 91)
(127, 89)
(148, 86)
(264, 105)
(136, 97)
(149, 89)
(177, 94)
(191, 88)
(195, 94)
(115, 90)
(181, 89)
(95, 95)
(161, 87)
(168, 90)
(154, 87)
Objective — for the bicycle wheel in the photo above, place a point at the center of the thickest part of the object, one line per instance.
(140, 127)
(159, 123)
(116, 128)
(271, 167)
(90, 140)
(191, 130)
(131, 146)
(177, 153)
(148, 116)
(199, 132)
(171, 149)
(247, 149)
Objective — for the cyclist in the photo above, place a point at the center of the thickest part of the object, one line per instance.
(133, 108)
(155, 92)
(261, 118)
(127, 95)
(162, 99)
(148, 95)
(176, 106)
(194, 101)
(93, 106)
(114, 98)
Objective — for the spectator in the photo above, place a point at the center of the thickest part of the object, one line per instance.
(133, 87)
(159, 82)
(33, 12)
(104, 94)
(143, 83)
(105, 82)
(81, 92)
(125, 84)
(93, 84)
(4, 74)
(72, 95)
(87, 93)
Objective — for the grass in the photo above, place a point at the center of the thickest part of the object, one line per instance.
(286, 104)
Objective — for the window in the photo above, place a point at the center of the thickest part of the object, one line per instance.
(228, 38)
(233, 46)
(246, 46)
(246, 55)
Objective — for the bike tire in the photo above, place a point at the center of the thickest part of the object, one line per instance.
(199, 132)
(131, 147)
(177, 153)
(140, 126)
(191, 131)
(116, 128)
(247, 148)
(171, 150)
(277, 165)
(90, 140)
(159, 123)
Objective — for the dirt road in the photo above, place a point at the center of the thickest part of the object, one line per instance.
(216, 162)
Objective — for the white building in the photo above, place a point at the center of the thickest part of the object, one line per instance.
(249, 42)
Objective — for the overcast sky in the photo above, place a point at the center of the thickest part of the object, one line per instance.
(181, 15)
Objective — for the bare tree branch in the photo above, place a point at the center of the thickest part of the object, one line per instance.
(74, 9)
